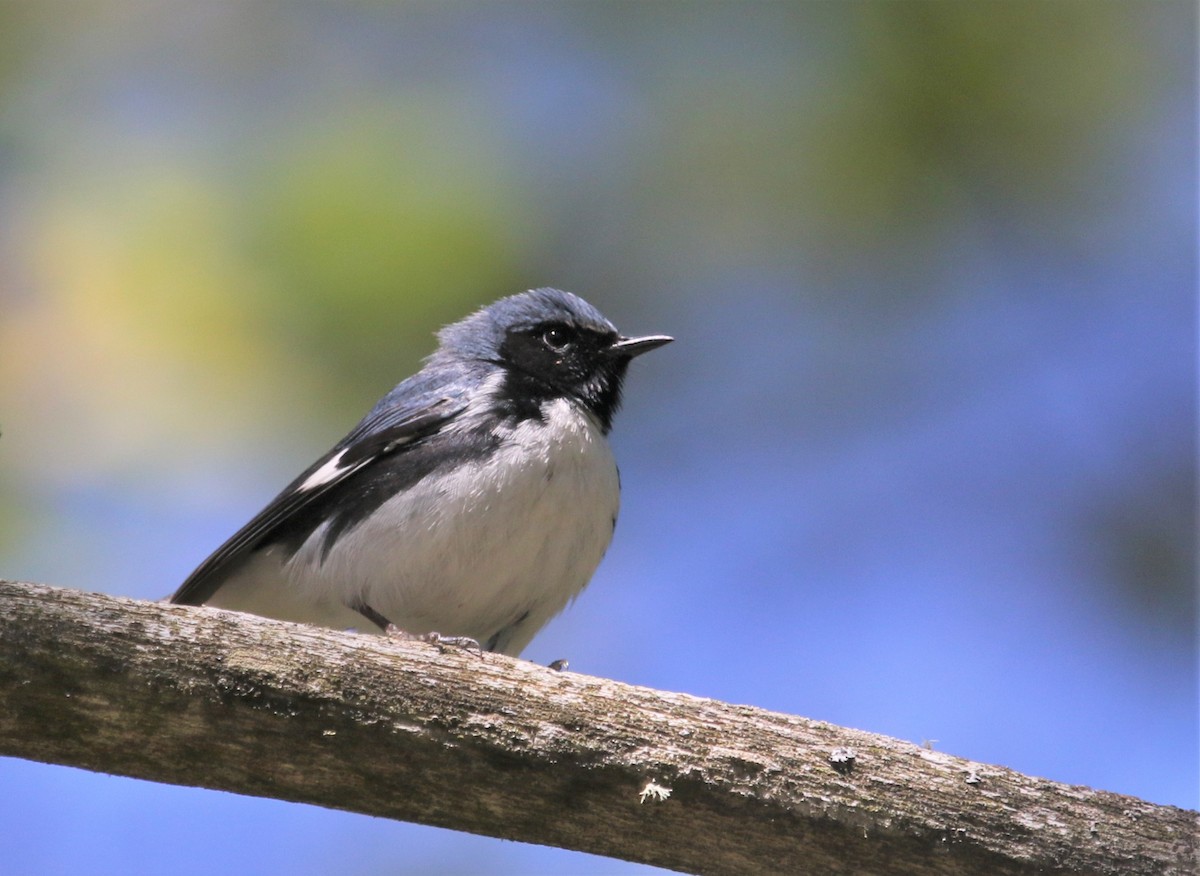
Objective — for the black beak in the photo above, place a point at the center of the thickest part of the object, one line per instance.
(630, 347)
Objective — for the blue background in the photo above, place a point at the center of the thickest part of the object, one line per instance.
(921, 462)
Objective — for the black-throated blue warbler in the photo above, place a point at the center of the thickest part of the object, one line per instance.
(473, 502)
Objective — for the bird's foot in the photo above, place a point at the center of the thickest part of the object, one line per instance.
(443, 643)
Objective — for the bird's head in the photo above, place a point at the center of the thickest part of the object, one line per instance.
(549, 344)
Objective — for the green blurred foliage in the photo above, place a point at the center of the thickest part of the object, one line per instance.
(923, 115)
(346, 229)
(372, 227)
(948, 102)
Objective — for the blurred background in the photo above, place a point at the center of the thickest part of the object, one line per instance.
(922, 461)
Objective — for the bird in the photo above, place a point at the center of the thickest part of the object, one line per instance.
(470, 505)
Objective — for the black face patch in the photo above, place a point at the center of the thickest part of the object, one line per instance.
(557, 359)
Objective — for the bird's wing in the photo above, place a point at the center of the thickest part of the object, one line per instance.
(387, 430)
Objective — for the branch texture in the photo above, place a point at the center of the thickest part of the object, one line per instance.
(503, 747)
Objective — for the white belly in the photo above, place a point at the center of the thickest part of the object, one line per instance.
(473, 551)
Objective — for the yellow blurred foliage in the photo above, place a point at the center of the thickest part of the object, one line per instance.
(141, 331)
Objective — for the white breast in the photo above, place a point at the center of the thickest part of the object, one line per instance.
(473, 551)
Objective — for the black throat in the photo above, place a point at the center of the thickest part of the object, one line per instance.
(583, 370)
(522, 395)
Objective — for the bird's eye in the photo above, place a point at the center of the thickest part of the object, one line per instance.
(557, 337)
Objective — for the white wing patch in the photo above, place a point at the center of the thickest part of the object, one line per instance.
(333, 469)
(326, 473)
(393, 445)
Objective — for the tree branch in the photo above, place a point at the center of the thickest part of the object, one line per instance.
(507, 748)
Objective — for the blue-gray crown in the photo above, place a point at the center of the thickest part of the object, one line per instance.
(481, 335)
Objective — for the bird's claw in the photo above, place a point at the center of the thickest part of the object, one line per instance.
(443, 643)
(466, 643)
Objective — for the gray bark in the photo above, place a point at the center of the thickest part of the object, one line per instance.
(507, 748)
